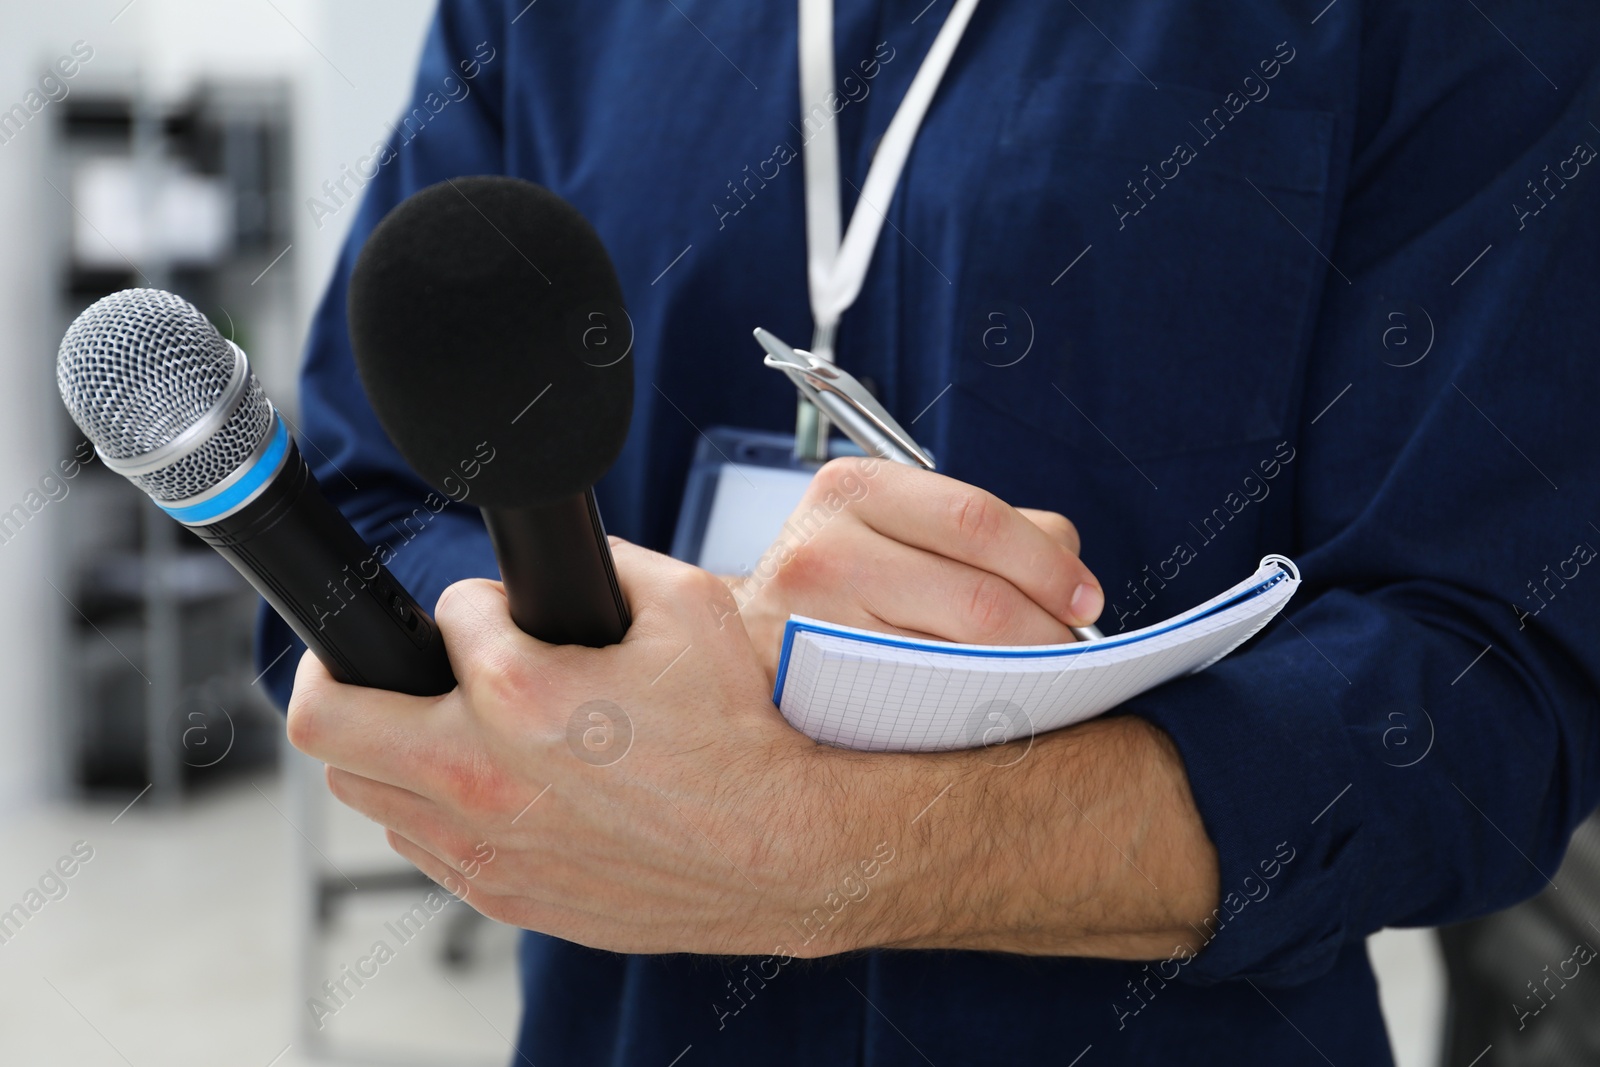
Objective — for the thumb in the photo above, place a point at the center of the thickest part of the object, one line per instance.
(480, 637)
(659, 588)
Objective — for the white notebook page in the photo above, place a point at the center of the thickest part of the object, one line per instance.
(864, 690)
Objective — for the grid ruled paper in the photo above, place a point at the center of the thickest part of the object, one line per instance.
(863, 690)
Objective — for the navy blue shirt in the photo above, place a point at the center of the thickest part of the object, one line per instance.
(1212, 279)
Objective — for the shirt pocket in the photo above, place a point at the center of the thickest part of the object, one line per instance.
(1142, 270)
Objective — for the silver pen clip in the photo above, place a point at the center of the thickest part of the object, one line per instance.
(845, 401)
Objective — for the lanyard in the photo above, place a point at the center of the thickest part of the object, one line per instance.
(835, 268)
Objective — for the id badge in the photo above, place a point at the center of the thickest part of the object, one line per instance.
(742, 486)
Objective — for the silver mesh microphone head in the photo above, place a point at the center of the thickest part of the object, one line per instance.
(166, 399)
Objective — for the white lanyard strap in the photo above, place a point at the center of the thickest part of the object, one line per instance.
(835, 269)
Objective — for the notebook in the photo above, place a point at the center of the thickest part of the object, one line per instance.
(877, 692)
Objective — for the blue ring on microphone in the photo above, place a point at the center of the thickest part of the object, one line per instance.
(237, 493)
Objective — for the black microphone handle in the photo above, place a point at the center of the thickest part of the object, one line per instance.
(304, 557)
(556, 564)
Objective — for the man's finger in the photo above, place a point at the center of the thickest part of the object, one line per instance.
(971, 526)
(954, 601)
(389, 737)
(438, 870)
(660, 586)
(412, 814)
(487, 648)
(1056, 525)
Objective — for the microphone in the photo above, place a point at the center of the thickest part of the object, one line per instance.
(172, 406)
(485, 313)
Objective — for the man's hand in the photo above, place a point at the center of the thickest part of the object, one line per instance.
(645, 797)
(887, 547)
(648, 797)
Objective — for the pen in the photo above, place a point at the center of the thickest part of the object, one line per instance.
(857, 413)
(846, 402)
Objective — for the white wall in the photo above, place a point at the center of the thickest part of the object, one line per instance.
(30, 623)
(375, 44)
(350, 63)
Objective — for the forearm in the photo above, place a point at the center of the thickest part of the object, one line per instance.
(1088, 845)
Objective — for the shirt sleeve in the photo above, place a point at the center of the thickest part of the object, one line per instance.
(1414, 742)
(451, 125)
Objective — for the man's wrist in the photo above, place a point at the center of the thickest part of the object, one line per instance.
(1084, 843)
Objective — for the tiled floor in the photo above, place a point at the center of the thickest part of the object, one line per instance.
(173, 946)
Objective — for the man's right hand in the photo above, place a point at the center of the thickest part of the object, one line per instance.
(892, 548)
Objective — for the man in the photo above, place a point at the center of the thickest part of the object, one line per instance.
(1214, 281)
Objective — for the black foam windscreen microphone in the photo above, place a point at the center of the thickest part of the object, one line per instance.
(485, 314)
